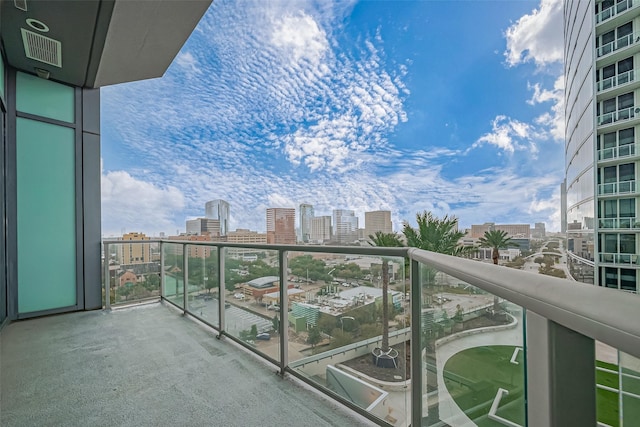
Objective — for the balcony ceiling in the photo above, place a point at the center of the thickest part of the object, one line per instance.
(103, 42)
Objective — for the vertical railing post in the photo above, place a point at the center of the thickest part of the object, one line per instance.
(561, 375)
(221, 288)
(107, 279)
(284, 312)
(185, 276)
(161, 270)
(416, 345)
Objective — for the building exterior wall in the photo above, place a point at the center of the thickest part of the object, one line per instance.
(134, 253)
(281, 226)
(320, 229)
(512, 230)
(377, 221)
(200, 226)
(345, 226)
(602, 53)
(242, 235)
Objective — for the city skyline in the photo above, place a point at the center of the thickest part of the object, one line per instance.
(359, 106)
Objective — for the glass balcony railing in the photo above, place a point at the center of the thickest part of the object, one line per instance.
(619, 152)
(619, 223)
(615, 81)
(616, 116)
(615, 10)
(133, 271)
(404, 336)
(616, 258)
(618, 44)
(613, 188)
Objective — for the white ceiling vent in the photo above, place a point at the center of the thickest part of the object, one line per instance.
(41, 48)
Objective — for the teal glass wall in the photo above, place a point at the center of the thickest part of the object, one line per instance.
(46, 222)
(44, 98)
(2, 80)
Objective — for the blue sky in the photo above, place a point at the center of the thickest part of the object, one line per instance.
(448, 106)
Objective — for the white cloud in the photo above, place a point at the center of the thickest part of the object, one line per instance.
(301, 37)
(508, 134)
(536, 37)
(553, 120)
(137, 204)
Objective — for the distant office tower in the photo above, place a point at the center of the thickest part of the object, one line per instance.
(320, 229)
(539, 230)
(305, 214)
(345, 226)
(201, 226)
(281, 226)
(601, 47)
(377, 221)
(135, 253)
(218, 209)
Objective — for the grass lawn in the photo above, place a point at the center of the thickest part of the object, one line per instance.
(474, 375)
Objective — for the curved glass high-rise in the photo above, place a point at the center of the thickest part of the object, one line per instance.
(218, 209)
(602, 46)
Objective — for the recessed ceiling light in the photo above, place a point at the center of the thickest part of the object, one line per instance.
(37, 25)
(20, 4)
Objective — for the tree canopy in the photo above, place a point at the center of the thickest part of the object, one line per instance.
(435, 234)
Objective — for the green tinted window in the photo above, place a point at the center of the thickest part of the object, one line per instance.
(44, 98)
(2, 78)
(45, 163)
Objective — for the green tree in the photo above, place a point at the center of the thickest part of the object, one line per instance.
(152, 282)
(275, 322)
(386, 240)
(436, 235)
(314, 336)
(496, 239)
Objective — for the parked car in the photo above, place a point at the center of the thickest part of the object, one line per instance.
(273, 307)
(238, 296)
(263, 336)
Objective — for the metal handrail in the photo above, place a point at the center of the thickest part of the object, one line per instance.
(603, 314)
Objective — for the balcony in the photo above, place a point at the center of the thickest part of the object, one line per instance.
(457, 328)
(619, 223)
(617, 116)
(616, 81)
(616, 258)
(614, 46)
(615, 10)
(617, 188)
(619, 152)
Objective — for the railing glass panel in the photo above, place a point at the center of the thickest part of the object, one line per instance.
(251, 298)
(617, 152)
(134, 272)
(615, 258)
(474, 361)
(617, 80)
(202, 291)
(615, 116)
(614, 10)
(629, 388)
(619, 223)
(173, 276)
(337, 334)
(622, 187)
(616, 44)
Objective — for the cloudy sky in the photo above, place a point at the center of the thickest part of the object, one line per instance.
(449, 106)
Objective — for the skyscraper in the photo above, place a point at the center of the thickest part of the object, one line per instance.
(305, 214)
(601, 117)
(320, 229)
(377, 221)
(345, 226)
(281, 226)
(218, 209)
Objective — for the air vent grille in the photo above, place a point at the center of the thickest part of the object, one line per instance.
(41, 48)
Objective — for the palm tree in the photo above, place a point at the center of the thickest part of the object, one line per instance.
(436, 235)
(495, 239)
(387, 240)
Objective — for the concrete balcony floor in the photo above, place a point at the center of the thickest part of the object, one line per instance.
(146, 366)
